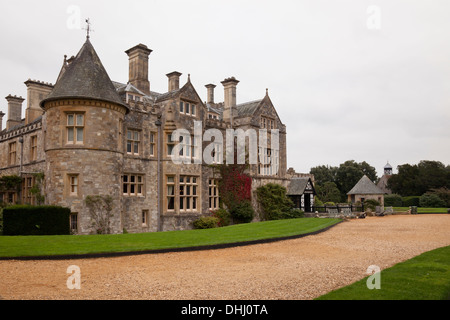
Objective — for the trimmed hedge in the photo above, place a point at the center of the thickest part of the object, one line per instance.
(412, 201)
(36, 220)
(393, 200)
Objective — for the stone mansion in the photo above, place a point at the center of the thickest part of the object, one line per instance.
(89, 135)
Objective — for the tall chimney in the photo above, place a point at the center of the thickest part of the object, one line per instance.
(14, 111)
(138, 67)
(36, 92)
(210, 87)
(230, 99)
(1, 120)
(174, 80)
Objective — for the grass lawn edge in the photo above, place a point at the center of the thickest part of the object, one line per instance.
(118, 253)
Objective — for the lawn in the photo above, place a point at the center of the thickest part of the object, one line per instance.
(28, 246)
(422, 210)
(425, 277)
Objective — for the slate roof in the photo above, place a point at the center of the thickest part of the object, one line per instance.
(365, 186)
(85, 77)
(247, 109)
(297, 186)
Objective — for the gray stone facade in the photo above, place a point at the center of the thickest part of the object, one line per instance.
(113, 139)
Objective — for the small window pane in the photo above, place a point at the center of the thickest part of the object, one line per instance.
(80, 121)
(70, 134)
(70, 119)
(80, 134)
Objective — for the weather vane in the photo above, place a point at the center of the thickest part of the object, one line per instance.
(88, 28)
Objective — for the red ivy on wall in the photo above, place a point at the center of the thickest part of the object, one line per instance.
(235, 186)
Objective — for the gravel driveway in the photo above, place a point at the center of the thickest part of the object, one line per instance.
(302, 268)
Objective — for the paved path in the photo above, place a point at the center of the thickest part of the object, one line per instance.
(303, 268)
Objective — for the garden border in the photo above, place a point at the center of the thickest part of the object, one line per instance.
(168, 250)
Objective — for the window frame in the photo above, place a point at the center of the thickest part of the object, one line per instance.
(188, 200)
(213, 194)
(12, 153)
(133, 142)
(75, 127)
(33, 147)
(73, 185)
(188, 108)
(134, 183)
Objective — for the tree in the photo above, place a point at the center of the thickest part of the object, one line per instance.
(324, 174)
(419, 179)
(350, 172)
(274, 202)
(431, 200)
(328, 192)
(345, 176)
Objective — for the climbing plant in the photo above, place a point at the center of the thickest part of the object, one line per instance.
(100, 211)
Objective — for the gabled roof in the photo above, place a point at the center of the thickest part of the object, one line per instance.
(248, 109)
(298, 186)
(365, 186)
(85, 77)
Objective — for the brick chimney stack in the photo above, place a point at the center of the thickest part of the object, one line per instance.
(138, 67)
(14, 111)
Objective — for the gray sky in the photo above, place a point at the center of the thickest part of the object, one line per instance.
(352, 79)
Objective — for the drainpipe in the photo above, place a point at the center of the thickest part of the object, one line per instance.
(21, 167)
(158, 124)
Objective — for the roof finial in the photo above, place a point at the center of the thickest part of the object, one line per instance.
(267, 91)
(88, 28)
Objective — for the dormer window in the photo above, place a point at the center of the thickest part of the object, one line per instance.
(131, 97)
(188, 108)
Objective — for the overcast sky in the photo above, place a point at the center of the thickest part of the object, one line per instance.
(352, 80)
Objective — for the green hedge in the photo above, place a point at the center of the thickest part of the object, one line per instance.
(393, 200)
(412, 201)
(36, 220)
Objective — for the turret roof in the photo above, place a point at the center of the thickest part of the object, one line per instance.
(85, 77)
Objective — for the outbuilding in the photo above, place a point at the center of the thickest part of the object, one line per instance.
(365, 189)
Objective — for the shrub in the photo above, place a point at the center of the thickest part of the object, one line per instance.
(36, 220)
(206, 222)
(242, 212)
(274, 202)
(371, 204)
(431, 200)
(412, 201)
(393, 200)
(318, 202)
(224, 217)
